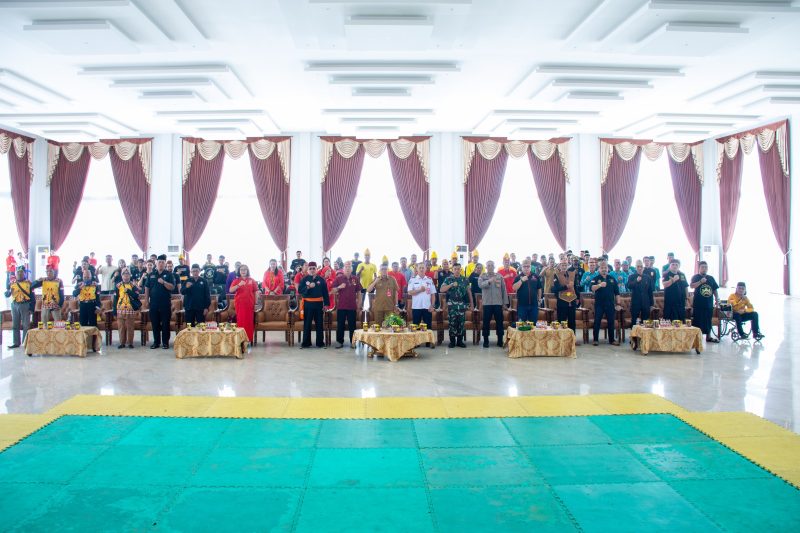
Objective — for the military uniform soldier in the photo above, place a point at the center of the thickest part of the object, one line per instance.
(458, 297)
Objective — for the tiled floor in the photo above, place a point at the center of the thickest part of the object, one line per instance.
(763, 379)
(465, 474)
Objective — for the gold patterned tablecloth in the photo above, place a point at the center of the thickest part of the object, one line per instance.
(62, 341)
(394, 345)
(540, 342)
(196, 343)
(682, 339)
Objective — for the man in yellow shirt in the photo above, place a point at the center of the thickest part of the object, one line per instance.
(743, 311)
(434, 259)
(52, 295)
(471, 265)
(366, 272)
(19, 290)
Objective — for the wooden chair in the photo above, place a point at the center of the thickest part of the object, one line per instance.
(175, 320)
(624, 318)
(272, 314)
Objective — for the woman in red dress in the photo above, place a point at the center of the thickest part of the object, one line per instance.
(244, 289)
(326, 272)
(273, 279)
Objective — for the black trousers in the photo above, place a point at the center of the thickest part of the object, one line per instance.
(159, 319)
(565, 311)
(701, 318)
(604, 310)
(345, 316)
(422, 315)
(496, 312)
(312, 311)
(193, 316)
(87, 314)
(639, 311)
(675, 310)
(744, 317)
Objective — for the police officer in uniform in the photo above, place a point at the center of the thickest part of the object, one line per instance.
(196, 297)
(606, 293)
(158, 287)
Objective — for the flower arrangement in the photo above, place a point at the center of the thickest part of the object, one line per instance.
(394, 321)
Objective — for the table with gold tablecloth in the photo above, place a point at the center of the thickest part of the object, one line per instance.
(217, 343)
(540, 342)
(394, 345)
(62, 341)
(669, 339)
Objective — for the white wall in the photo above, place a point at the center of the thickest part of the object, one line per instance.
(447, 211)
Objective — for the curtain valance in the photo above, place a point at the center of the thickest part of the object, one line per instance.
(490, 147)
(626, 149)
(260, 147)
(125, 149)
(776, 134)
(402, 148)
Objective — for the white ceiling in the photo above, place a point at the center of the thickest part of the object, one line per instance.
(664, 69)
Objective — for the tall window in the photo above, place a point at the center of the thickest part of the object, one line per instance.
(754, 256)
(654, 226)
(376, 221)
(236, 228)
(9, 238)
(519, 224)
(99, 225)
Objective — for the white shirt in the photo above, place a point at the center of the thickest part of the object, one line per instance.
(106, 281)
(423, 299)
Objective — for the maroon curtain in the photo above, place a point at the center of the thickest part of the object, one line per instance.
(338, 194)
(688, 197)
(199, 196)
(20, 174)
(616, 197)
(412, 192)
(550, 181)
(273, 196)
(134, 195)
(778, 194)
(66, 192)
(481, 193)
(730, 187)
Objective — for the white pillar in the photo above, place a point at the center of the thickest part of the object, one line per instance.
(446, 193)
(711, 226)
(305, 197)
(39, 216)
(166, 203)
(589, 216)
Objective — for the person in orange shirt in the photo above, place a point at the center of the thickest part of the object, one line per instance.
(273, 279)
(508, 273)
(743, 311)
(401, 283)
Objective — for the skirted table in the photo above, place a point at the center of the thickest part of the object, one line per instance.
(394, 345)
(540, 342)
(210, 343)
(62, 341)
(666, 339)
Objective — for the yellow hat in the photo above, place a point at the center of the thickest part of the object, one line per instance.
(475, 253)
(506, 256)
(384, 259)
(366, 252)
(181, 256)
(454, 256)
(433, 255)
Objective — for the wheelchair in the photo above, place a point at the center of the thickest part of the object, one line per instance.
(727, 324)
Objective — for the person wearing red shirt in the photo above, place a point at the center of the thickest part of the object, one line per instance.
(326, 272)
(401, 283)
(273, 279)
(93, 261)
(244, 289)
(11, 266)
(508, 274)
(52, 261)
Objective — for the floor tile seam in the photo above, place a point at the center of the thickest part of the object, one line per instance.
(426, 484)
(771, 469)
(14, 442)
(301, 498)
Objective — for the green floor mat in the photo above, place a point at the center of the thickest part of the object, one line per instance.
(590, 473)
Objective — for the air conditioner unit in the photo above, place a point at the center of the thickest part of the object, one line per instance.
(173, 252)
(38, 263)
(711, 254)
(462, 250)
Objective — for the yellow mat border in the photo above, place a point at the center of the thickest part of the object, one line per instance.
(764, 443)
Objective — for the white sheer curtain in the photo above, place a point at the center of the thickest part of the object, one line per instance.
(236, 228)
(99, 226)
(754, 256)
(654, 225)
(519, 224)
(376, 221)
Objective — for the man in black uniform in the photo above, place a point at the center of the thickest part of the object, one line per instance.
(705, 297)
(314, 291)
(606, 293)
(158, 288)
(675, 288)
(652, 273)
(182, 272)
(196, 297)
(220, 276)
(88, 294)
(641, 287)
(299, 261)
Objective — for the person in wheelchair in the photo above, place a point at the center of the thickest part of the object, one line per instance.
(743, 311)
